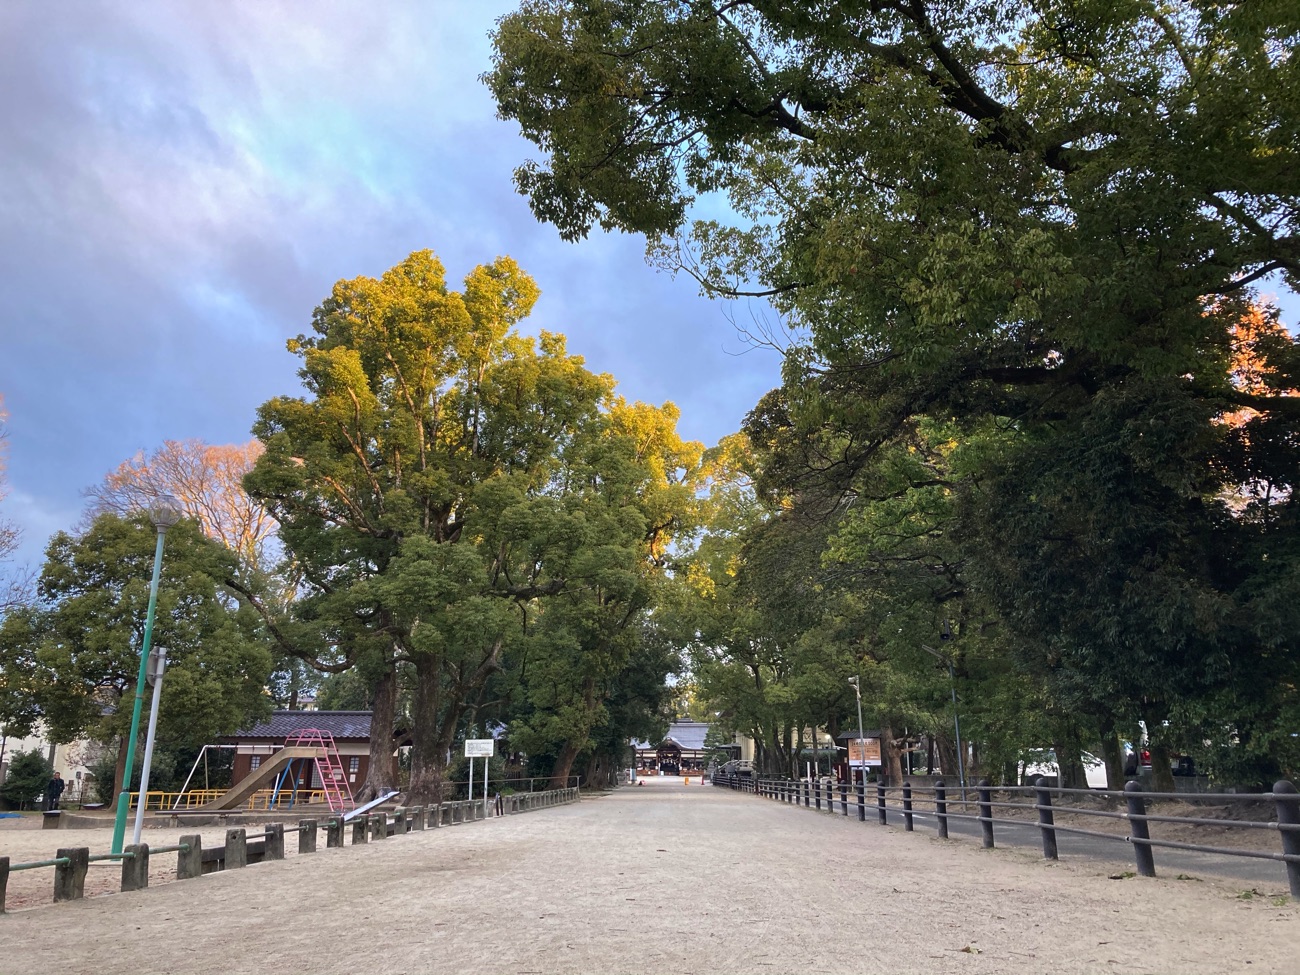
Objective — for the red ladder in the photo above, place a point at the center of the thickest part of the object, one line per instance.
(329, 767)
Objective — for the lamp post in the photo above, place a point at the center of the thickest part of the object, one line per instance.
(862, 742)
(164, 513)
(157, 667)
(956, 721)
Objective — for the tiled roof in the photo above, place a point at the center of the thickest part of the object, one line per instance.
(688, 735)
(853, 734)
(340, 724)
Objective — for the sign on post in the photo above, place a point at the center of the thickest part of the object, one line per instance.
(480, 747)
(864, 752)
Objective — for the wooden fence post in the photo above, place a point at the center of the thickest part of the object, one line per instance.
(70, 877)
(882, 812)
(907, 805)
(274, 842)
(236, 854)
(306, 836)
(189, 862)
(135, 868)
(361, 829)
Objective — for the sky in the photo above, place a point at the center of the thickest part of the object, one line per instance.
(181, 183)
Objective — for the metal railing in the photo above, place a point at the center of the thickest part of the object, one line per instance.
(904, 799)
(262, 799)
(242, 848)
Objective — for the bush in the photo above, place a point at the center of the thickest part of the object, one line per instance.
(24, 785)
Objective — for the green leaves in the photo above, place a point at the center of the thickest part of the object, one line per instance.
(72, 661)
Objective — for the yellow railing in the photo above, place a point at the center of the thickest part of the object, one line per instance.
(199, 797)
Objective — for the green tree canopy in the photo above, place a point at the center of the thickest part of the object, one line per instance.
(70, 661)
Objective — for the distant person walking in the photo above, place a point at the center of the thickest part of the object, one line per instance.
(501, 806)
(53, 791)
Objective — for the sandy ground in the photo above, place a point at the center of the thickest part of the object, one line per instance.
(665, 878)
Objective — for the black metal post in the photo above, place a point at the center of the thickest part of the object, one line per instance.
(807, 795)
(844, 798)
(941, 808)
(881, 813)
(1137, 829)
(1288, 814)
(862, 798)
(907, 805)
(986, 812)
(817, 792)
(1045, 820)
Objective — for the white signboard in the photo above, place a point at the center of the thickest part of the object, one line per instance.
(479, 747)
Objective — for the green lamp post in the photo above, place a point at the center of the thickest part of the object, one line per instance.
(164, 513)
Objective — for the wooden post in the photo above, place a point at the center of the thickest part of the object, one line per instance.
(4, 881)
(380, 822)
(882, 812)
(333, 832)
(862, 798)
(306, 836)
(274, 842)
(70, 877)
(236, 854)
(189, 862)
(907, 805)
(417, 820)
(361, 829)
(135, 868)
(399, 820)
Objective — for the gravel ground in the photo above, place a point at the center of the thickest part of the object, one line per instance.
(663, 878)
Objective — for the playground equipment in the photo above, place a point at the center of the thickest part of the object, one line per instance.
(283, 769)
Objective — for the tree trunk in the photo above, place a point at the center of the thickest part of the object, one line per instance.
(120, 769)
(1162, 768)
(430, 743)
(568, 754)
(1070, 773)
(1113, 754)
(379, 776)
(948, 764)
(892, 756)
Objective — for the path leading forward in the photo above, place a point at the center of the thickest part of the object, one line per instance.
(665, 878)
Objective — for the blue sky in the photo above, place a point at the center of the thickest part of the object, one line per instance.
(182, 183)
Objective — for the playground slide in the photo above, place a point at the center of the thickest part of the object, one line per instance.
(258, 778)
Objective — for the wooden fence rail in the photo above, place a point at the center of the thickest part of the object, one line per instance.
(242, 848)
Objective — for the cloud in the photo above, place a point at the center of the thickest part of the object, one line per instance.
(183, 182)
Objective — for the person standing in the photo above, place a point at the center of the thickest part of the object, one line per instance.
(53, 791)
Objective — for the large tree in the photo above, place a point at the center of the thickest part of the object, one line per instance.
(1037, 216)
(427, 488)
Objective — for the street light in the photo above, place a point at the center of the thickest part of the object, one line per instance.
(956, 722)
(862, 742)
(157, 667)
(164, 513)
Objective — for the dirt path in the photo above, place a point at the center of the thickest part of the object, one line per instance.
(665, 878)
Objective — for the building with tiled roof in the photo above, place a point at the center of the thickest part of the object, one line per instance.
(350, 730)
(678, 752)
